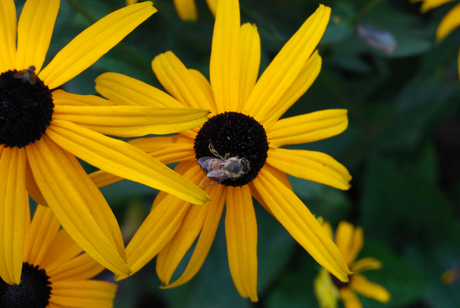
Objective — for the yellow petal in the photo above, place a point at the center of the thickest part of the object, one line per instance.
(102, 178)
(62, 250)
(7, 35)
(350, 299)
(124, 90)
(301, 224)
(129, 2)
(360, 284)
(77, 203)
(159, 227)
(79, 268)
(449, 23)
(121, 159)
(212, 4)
(205, 88)
(308, 127)
(177, 80)
(206, 238)
(284, 69)
(14, 212)
(94, 42)
(430, 4)
(224, 67)
(186, 9)
(249, 61)
(310, 165)
(301, 84)
(35, 29)
(349, 240)
(241, 235)
(32, 187)
(327, 227)
(169, 258)
(131, 121)
(365, 264)
(40, 235)
(63, 98)
(86, 293)
(325, 290)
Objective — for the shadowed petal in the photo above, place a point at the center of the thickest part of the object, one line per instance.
(241, 235)
(125, 90)
(365, 264)
(121, 159)
(212, 4)
(131, 121)
(77, 203)
(186, 9)
(325, 290)
(284, 69)
(177, 80)
(63, 98)
(308, 127)
(360, 284)
(170, 257)
(62, 250)
(14, 213)
(7, 35)
(300, 223)
(206, 238)
(350, 299)
(32, 187)
(224, 67)
(310, 165)
(449, 23)
(94, 42)
(159, 227)
(86, 293)
(249, 61)
(35, 29)
(349, 240)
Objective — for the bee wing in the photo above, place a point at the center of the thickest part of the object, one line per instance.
(209, 163)
(208, 182)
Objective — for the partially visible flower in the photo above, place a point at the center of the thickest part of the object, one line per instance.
(186, 9)
(244, 127)
(329, 289)
(55, 272)
(448, 23)
(42, 129)
(451, 275)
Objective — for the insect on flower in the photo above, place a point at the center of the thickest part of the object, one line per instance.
(219, 169)
(27, 75)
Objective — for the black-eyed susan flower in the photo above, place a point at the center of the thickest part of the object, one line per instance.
(329, 289)
(42, 129)
(186, 9)
(448, 23)
(243, 128)
(55, 272)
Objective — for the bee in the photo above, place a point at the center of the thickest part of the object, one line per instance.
(27, 75)
(219, 169)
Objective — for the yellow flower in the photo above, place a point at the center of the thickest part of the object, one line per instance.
(55, 271)
(448, 23)
(328, 288)
(186, 9)
(42, 128)
(243, 128)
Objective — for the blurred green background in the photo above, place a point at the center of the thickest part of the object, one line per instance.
(402, 147)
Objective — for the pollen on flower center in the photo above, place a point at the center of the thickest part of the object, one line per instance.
(34, 291)
(233, 136)
(26, 108)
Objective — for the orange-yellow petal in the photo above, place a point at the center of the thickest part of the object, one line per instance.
(365, 264)
(212, 4)
(32, 187)
(224, 67)
(186, 9)
(349, 240)
(7, 35)
(94, 42)
(360, 284)
(241, 235)
(14, 213)
(62, 98)
(349, 298)
(310, 165)
(35, 29)
(300, 223)
(430, 4)
(83, 293)
(449, 23)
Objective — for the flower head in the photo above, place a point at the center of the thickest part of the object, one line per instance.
(54, 270)
(328, 288)
(42, 129)
(186, 9)
(236, 154)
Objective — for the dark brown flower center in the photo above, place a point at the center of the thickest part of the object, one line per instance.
(339, 284)
(34, 291)
(233, 148)
(26, 108)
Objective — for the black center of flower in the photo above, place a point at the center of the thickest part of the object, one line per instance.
(238, 141)
(339, 284)
(34, 291)
(26, 108)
